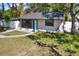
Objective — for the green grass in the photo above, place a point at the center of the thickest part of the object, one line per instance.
(14, 33)
(21, 46)
(66, 43)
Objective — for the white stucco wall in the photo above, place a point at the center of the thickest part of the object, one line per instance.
(42, 27)
(14, 24)
(68, 24)
(11, 24)
(3, 23)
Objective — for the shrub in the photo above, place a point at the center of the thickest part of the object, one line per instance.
(2, 28)
(63, 38)
(76, 44)
(76, 37)
(69, 48)
(33, 37)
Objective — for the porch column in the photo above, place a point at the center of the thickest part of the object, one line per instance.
(20, 24)
(35, 25)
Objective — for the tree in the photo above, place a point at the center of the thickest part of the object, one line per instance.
(20, 9)
(2, 11)
(3, 8)
(16, 9)
(73, 18)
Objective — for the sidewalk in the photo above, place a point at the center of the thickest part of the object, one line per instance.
(2, 36)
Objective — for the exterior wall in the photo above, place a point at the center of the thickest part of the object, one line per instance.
(11, 24)
(67, 26)
(14, 24)
(41, 25)
(3, 23)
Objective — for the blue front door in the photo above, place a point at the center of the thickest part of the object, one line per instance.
(35, 25)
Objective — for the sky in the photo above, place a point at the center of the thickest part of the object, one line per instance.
(6, 6)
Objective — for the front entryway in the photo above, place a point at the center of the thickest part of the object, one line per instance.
(29, 25)
(26, 24)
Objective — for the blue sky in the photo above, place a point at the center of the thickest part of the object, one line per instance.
(6, 6)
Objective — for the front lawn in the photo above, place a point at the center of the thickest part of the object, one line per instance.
(21, 46)
(66, 44)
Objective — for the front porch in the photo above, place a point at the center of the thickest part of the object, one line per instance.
(29, 25)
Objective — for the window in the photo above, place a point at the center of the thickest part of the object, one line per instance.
(26, 24)
(49, 22)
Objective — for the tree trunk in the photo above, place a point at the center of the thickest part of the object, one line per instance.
(73, 19)
(73, 23)
(3, 8)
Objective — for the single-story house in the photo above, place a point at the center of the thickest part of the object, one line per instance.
(39, 21)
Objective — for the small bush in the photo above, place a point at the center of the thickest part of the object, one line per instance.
(33, 37)
(65, 38)
(69, 48)
(76, 44)
(2, 28)
(76, 37)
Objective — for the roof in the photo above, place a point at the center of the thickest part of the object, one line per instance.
(40, 15)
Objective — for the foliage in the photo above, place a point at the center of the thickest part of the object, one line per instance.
(8, 13)
(65, 42)
(21, 9)
(2, 28)
(7, 18)
(76, 44)
(1, 15)
(33, 37)
(47, 7)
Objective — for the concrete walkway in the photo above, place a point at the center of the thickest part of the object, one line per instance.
(2, 36)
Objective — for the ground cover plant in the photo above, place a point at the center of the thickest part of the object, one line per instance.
(65, 44)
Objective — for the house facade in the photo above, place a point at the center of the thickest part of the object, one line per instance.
(38, 21)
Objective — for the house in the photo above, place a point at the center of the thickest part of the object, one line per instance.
(36, 21)
(39, 21)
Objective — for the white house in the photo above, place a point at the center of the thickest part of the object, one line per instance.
(38, 21)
